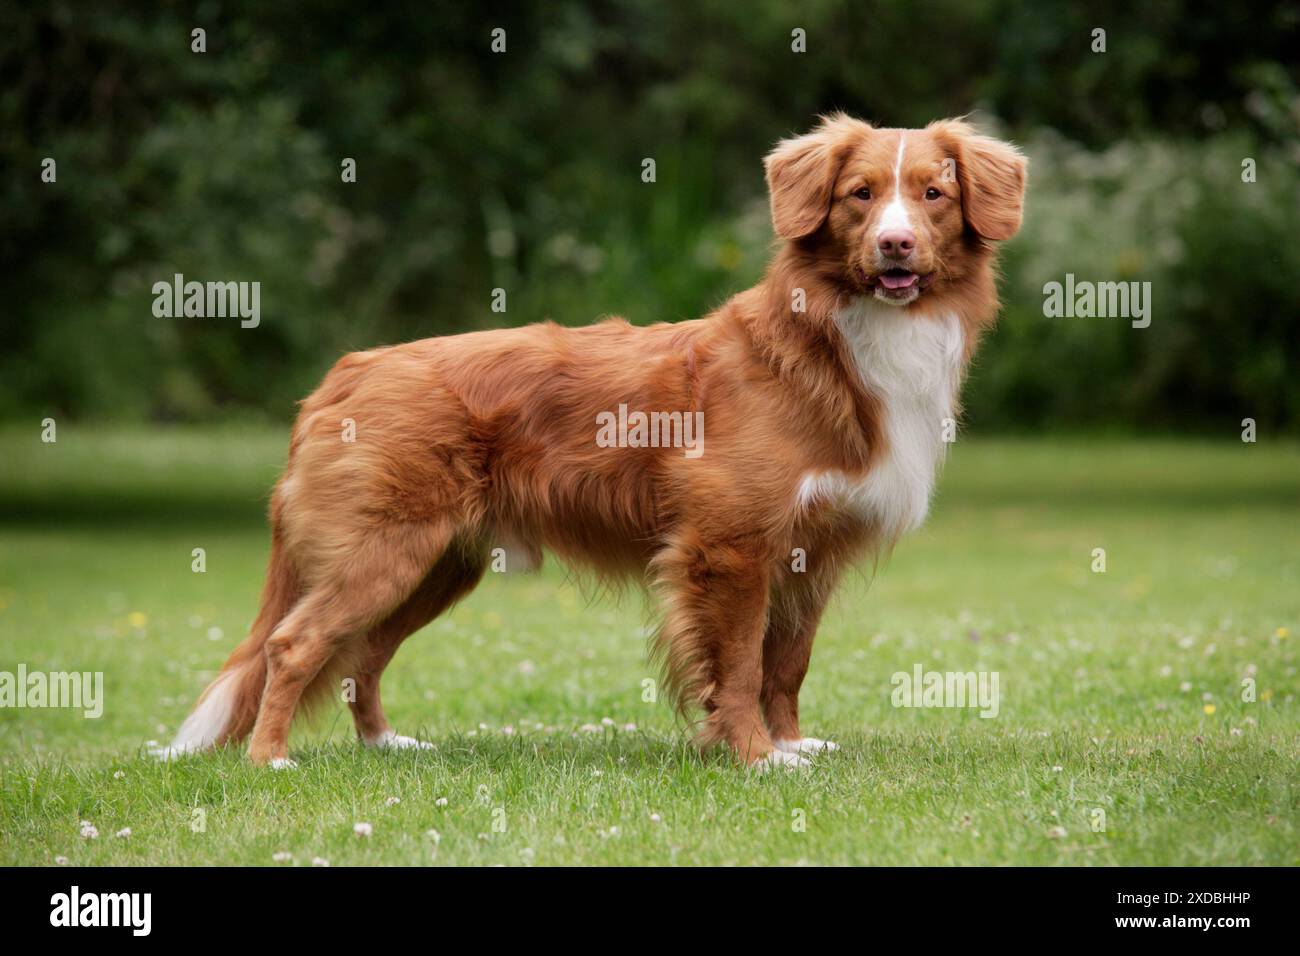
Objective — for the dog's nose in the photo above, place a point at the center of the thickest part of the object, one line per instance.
(897, 243)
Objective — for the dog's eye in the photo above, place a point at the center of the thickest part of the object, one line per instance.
(863, 193)
(932, 193)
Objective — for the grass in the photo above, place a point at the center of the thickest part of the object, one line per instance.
(1120, 692)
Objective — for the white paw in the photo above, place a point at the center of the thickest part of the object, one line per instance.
(783, 759)
(388, 739)
(283, 763)
(805, 745)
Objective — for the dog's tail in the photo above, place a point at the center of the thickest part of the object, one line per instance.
(226, 711)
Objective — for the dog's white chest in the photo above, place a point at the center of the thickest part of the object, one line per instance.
(913, 366)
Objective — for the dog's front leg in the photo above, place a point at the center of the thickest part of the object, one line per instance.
(787, 649)
(716, 600)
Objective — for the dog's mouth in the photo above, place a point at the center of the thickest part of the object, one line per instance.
(898, 284)
(896, 280)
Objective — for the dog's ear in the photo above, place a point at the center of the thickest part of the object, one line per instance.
(801, 175)
(991, 175)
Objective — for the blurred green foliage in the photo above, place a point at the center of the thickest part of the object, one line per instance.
(522, 170)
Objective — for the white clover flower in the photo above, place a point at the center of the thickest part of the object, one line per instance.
(362, 829)
(89, 831)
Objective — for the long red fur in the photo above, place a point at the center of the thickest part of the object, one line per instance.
(471, 442)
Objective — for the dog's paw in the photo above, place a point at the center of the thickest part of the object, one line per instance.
(805, 745)
(394, 741)
(282, 763)
(782, 759)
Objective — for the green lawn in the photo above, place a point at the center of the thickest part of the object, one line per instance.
(1121, 691)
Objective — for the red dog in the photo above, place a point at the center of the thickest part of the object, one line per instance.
(826, 390)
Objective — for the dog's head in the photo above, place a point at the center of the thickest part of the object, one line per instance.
(898, 213)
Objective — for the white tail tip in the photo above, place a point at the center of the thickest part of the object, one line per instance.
(205, 726)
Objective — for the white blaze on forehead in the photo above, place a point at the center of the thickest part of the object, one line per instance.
(895, 214)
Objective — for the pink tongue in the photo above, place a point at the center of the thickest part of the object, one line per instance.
(897, 280)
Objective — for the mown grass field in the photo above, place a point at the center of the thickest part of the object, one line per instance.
(1121, 692)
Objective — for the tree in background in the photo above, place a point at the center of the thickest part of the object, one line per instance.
(522, 170)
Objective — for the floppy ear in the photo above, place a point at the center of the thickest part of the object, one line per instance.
(801, 174)
(991, 174)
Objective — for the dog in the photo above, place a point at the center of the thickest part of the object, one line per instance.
(826, 390)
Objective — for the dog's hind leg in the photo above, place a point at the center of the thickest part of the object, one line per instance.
(361, 586)
(454, 576)
(226, 711)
